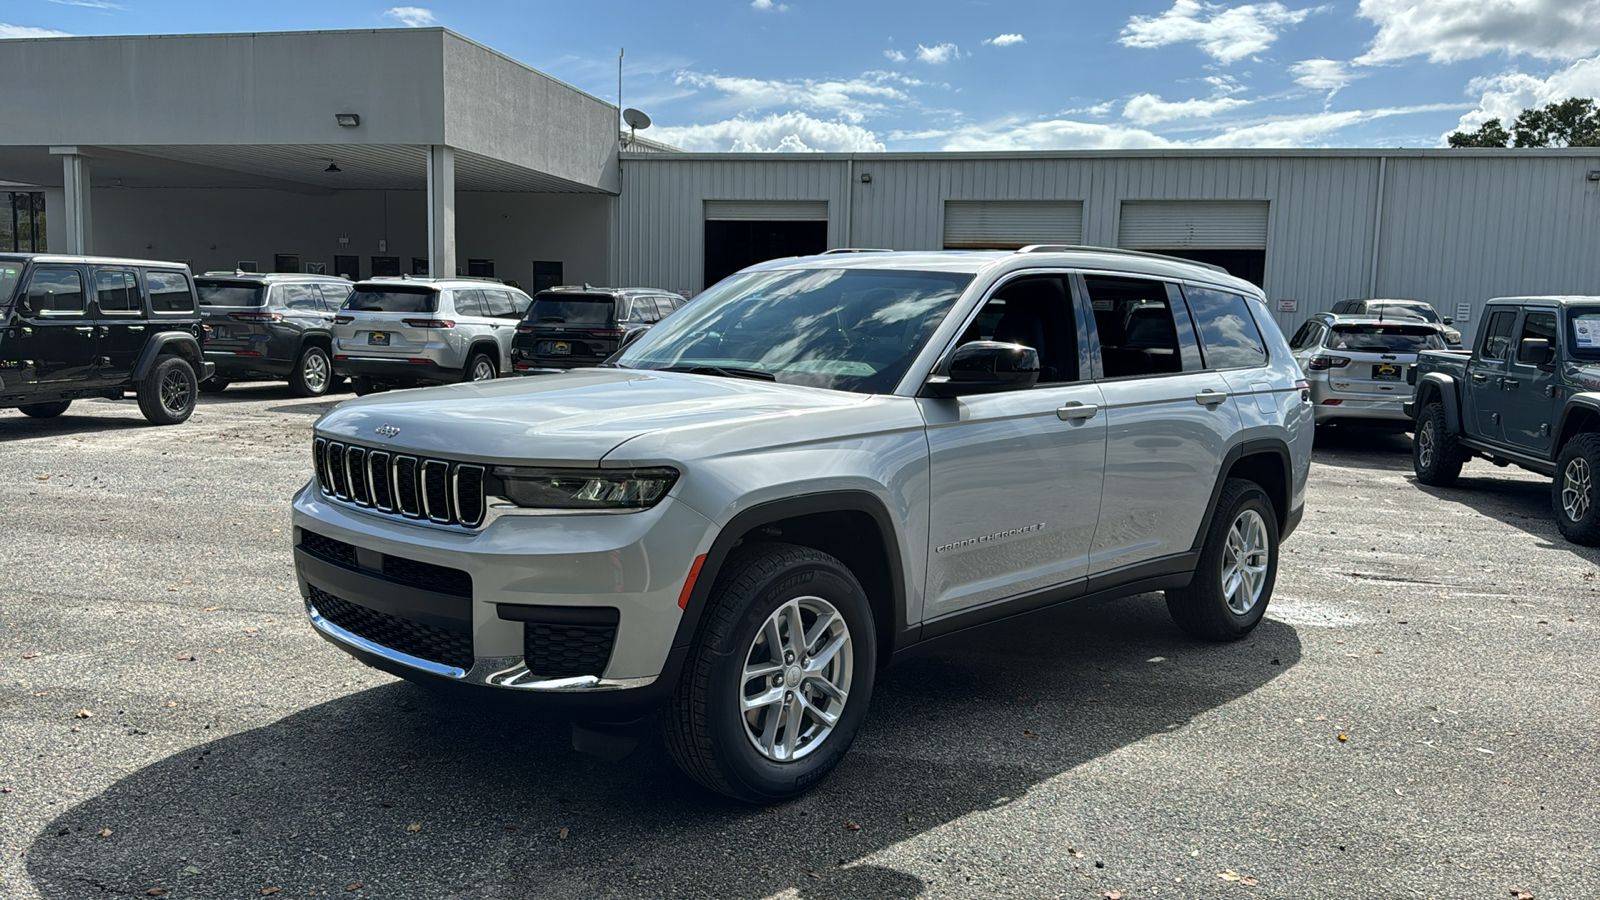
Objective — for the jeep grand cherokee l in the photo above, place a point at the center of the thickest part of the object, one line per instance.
(815, 466)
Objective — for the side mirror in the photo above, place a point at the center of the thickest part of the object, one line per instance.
(1449, 321)
(1536, 352)
(985, 367)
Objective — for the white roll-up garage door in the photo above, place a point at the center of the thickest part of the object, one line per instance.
(766, 210)
(1208, 224)
(1009, 224)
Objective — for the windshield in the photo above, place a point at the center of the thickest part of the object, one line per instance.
(230, 293)
(10, 274)
(393, 299)
(1385, 338)
(570, 310)
(1406, 310)
(845, 329)
(1583, 331)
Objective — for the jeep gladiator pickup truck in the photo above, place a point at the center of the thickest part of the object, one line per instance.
(1526, 394)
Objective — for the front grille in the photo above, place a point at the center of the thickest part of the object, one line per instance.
(562, 651)
(445, 646)
(337, 552)
(441, 491)
(429, 577)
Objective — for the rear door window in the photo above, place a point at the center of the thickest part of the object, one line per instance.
(1229, 337)
(643, 312)
(116, 291)
(168, 290)
(501, 305)
(469, 303)
(571, 310)
(300, 296)
(1139, 333)
(56, 292)
(393, 299)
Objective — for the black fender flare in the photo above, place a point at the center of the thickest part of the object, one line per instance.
(789, 507)
(488, 346)
(182, 342)
(1587, 401)
(324, 339)
(1276, 446)
(1449, 397)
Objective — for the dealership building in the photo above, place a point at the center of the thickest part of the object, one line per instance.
(417, 151)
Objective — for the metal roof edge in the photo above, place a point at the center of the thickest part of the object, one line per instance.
(1166, 153)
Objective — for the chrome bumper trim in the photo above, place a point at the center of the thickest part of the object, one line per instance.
(389, 653)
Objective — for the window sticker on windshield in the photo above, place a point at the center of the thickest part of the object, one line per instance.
(1586, 331)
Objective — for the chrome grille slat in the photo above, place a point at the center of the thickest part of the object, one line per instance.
(439, 491)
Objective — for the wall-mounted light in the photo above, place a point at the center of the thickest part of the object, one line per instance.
(866, 178)
(347, 120)
(1594, 174)
(333, 167)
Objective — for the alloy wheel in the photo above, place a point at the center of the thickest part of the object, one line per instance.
(1577, 489)
(796, 679)
(1245, 558)
(1425, 448)
(175, 395)
(483, 369)
(314, 371)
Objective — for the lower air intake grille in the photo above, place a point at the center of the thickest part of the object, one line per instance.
(427, 576)
(562, 651)
(337, 552)
(445, 646)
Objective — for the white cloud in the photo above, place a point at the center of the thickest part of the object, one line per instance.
(769, 6)
(1005, 40)
(786, 132)
(894, 56)
(27, 31)
(1224, 85)
(1148, 109)
(1226, 34)
(1450, 30)
(938, 53)
(1321, 74)
(91, 4)
(1309, 130)
(1503, 96)
(1058, 134)
(851, 100)
(410, 16)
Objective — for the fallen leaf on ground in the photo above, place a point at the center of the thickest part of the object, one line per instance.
(155, 892)
(268, 892)
(1249, 882)
(184, 658)
(84, 714)
(104, 832)
(212, 608)
(1027, 733)
(1523, 895)
(353, 886)
(170, 703)
(563, 834)
(30, 656)
(1343, 737)
(414, 827)
(851, 826)
(1228, 875)
(1113, 895)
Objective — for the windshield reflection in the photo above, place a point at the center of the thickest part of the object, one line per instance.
(845, 329)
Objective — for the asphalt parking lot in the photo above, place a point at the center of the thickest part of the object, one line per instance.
(1415, 718)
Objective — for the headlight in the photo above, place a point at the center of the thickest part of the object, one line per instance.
(585, 488)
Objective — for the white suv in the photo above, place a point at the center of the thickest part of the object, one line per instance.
(402, 332)
(813, 467)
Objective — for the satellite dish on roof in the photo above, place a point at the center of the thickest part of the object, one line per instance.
(635, 119)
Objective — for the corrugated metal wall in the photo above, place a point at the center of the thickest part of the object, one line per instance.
(1457, 226)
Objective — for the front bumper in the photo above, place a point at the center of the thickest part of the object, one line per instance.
(488, 604)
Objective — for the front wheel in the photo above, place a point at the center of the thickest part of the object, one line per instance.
(779, 676)
(1435, 453)
(1572, 492)
(1238, 567)
(45, 410)
(313, 373)
(167, 395)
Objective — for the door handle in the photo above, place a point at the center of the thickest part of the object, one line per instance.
(1074, 410)
(1478, 378)
(83, 329)
(1209, 397)
(1509, 384)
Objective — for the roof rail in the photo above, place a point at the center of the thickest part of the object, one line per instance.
(1056, 248)
(855, 250)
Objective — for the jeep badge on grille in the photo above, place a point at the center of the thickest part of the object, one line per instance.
(386, 430)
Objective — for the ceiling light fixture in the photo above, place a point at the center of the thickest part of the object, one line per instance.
(347, 120)
(333, 167)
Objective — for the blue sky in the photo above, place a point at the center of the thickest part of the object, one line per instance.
(984, 74)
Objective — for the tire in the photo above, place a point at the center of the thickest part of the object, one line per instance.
(312, 374)
(1230, 590)
(1435, 453)
(753, 753)
(1572, 491)
(214, 385)
(167, 395)
(480, 368)
(364, 386)
(45, 410)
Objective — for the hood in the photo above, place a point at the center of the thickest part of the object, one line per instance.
(563, 419)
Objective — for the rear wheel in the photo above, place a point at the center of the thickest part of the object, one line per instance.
(364, 386)
(1435, 453)
(45, 410)
(779, 677)
(313, 373)
(167, 395)
(481, 368)
(214, 385)
(1238, 566)
(1572, 492)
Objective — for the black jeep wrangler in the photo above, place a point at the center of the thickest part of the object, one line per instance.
(84, 326)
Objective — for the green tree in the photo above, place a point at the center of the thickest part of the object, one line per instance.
(1574, 122)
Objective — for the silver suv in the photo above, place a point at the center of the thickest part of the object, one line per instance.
(814, 467)
(403, 332)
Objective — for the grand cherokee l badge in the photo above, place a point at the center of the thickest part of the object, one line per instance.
(386, 430)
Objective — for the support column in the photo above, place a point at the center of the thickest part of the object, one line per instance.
(77, 230)
(441, 211)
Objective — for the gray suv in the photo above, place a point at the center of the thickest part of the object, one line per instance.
(813, 468)
(404, 332)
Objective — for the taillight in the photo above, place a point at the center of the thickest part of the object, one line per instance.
(607, 332)
(524, 329)
(1321, 363)
(429, 323)
(256, 317)
(343, 320)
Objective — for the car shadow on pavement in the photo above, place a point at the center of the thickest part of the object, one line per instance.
(1363, 447)
(71, 422)
(410, 795)
(1519, 502)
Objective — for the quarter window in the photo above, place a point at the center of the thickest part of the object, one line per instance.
(1497, 335)
(643, 311)
(169, 291)
(1229, 338)
(57, 291)
(1134, 319)
(334, 295)
(116, 291)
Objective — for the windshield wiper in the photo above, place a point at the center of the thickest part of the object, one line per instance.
(551, 319)
(724, 371)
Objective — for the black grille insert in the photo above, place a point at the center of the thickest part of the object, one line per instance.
(436, 489)
(337, 552)
(378, 470)
(405, 486)
(429, 577)
(356, 470)
(563, 651)
(445, 646)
